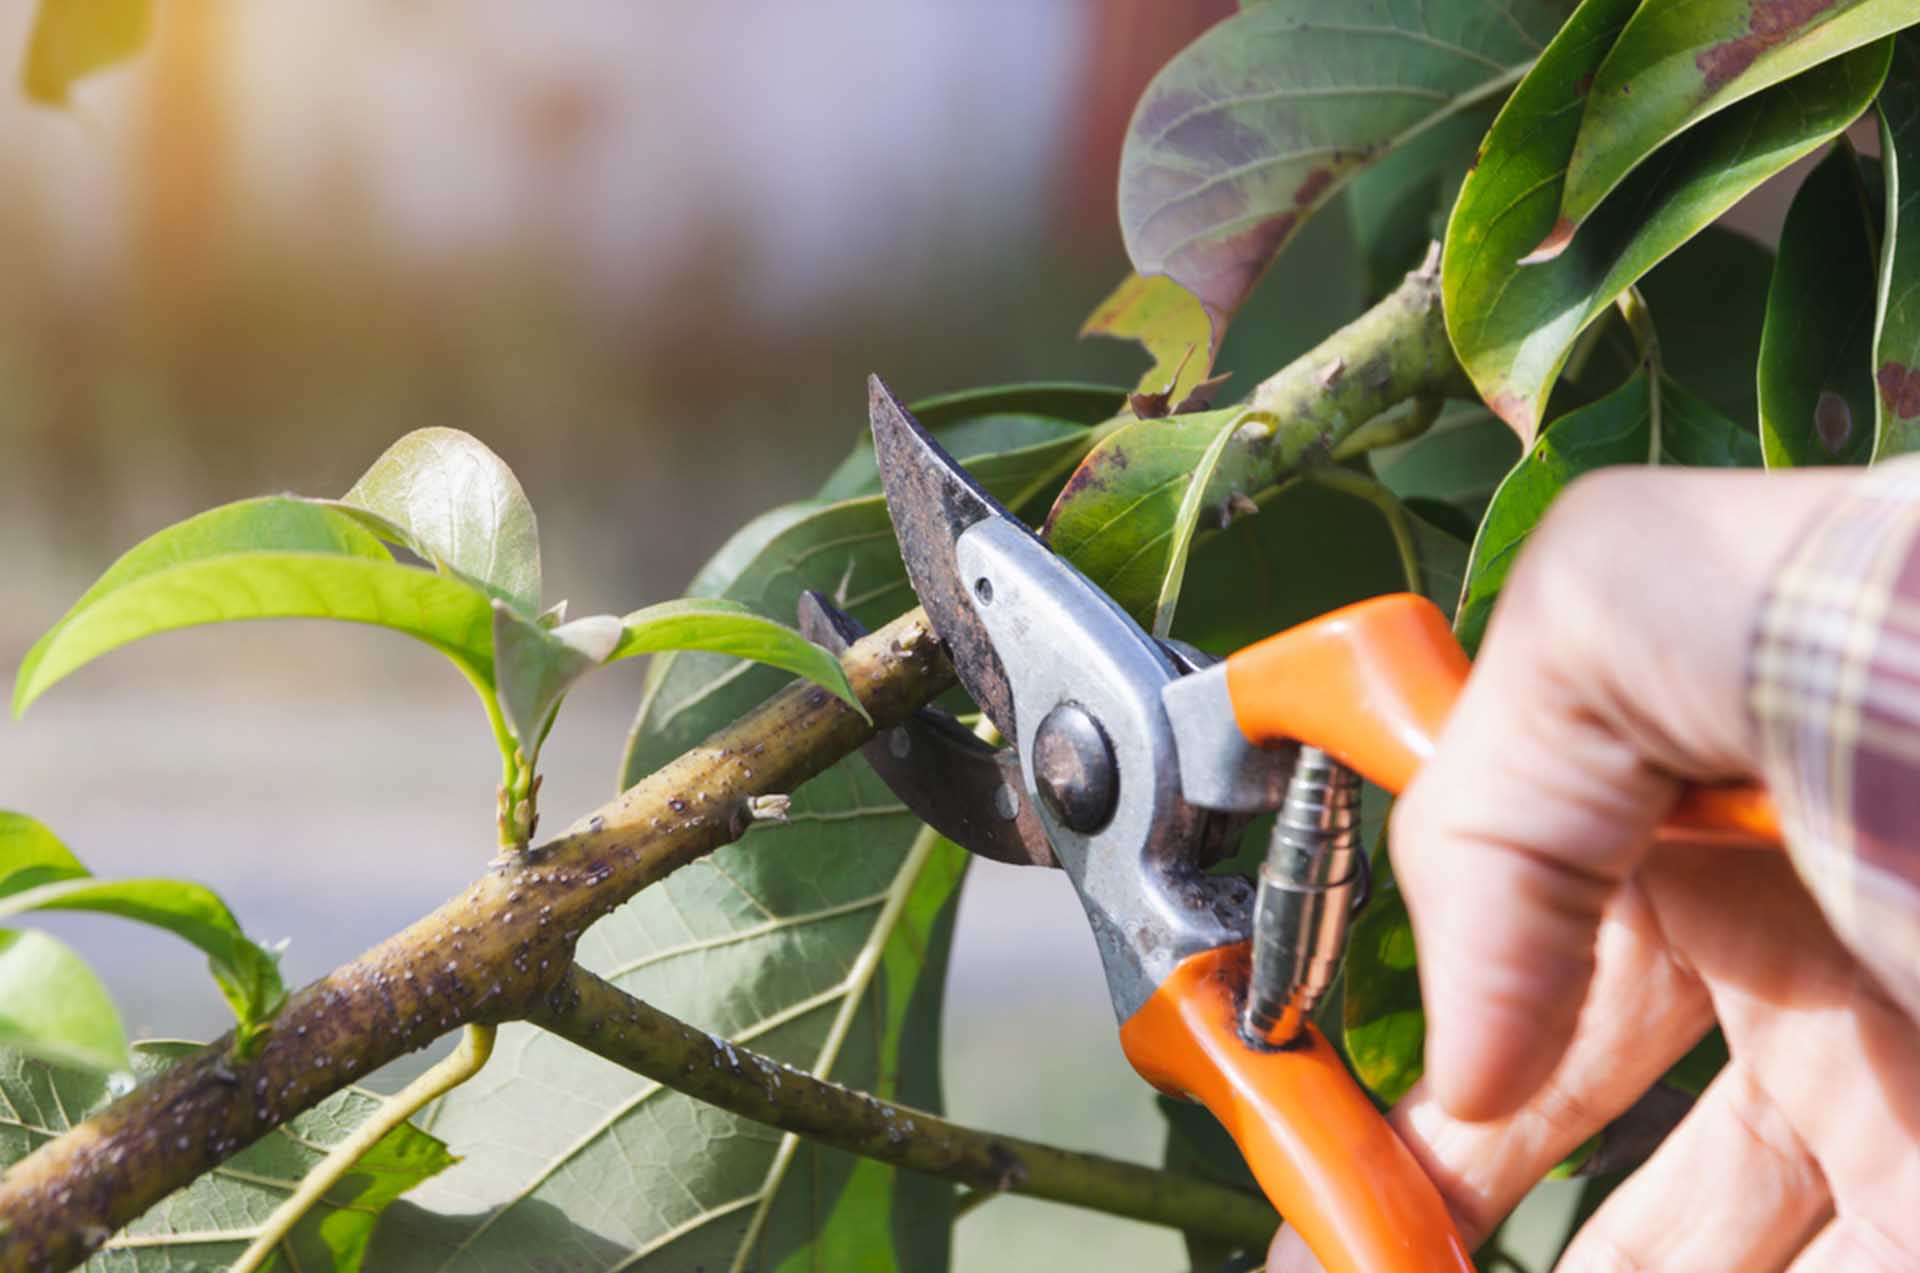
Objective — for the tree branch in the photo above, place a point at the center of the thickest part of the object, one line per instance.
(637, 1036)
(496, 952)
(488, 955)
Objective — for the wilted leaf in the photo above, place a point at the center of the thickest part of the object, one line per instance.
(38, 873)
(1615, 430)
(727, 627)
(1168, 322)
(261, 559)
(1513, 325)
(1677, 63)
(204, 1227)
(1817, 398)
(1257, 123)
(1896, 357)
(54, 1008)
(444, 496)
(73, 38)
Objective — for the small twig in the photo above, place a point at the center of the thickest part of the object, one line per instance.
(1403, 423)
(612, 1024)
(476, 1045)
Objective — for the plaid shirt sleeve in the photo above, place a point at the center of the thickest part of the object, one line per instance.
(1833, 683)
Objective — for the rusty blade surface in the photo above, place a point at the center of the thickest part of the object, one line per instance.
(933, 502)
(956, 783)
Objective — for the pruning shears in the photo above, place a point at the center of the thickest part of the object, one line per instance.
(1133, 764)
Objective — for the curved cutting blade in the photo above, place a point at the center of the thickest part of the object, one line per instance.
(933, 501)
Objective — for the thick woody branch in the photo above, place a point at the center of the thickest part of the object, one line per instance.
(499, 950)
(613, 1024)
(489, 955)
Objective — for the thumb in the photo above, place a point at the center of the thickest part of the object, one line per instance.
(1613, 669)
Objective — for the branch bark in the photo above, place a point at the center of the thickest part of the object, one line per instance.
(498, 951)
(637, 1036)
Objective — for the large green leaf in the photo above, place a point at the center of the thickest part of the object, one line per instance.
(53, 1007)
(31, 855)
(1512, 324)
(1896, 355)
(821, 942)
(73, 38)
(1679, 61)
(261, 559)
(1383, 1024)
(1263, 118)
(1816, 383)
(1618, 429)
(446, 497)
(1708, 301)
(205, 1226)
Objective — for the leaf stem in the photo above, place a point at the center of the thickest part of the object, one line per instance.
(476, 1045)
(1360, 486)
(614, 1025)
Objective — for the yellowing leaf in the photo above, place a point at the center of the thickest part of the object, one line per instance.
(1168, 322)
(73, 38)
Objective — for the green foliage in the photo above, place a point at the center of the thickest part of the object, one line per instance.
(74, 38)
(204, 1227)
(1896, 354)
(53, 1007)
(1709, 300)
(38, 873)
(1260, 121)
(1817, 401)
(1618, 429)
(821, 942)
(1513, 324)
(1676, 64)
(727, 627)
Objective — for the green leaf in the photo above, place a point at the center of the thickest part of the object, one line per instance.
(31, 855)
(1618, 429)
(1896, 355)
(1168, 322)
(1013, 437)
(1459, 461)
(755, 943)
(54, 1008)
(727, 627)
(1251, 128)
(1816, 384)
(1383, 1023)
(1399, 204)
(1513, 325)
(261, 559)
(204, 1227)
(1708, 301)
(248, 976)
(444, 496)
(1131, 509)
(74, 38)
(534, 666)
(1678, 62)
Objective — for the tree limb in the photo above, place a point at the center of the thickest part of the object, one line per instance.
(636, 1036)
(496, 952)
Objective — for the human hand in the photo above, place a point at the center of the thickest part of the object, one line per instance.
(1565, 967)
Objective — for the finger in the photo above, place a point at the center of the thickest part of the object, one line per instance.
(1857, 1246)
(1838, 1058)
(1613, 663)
(1647, 1009)
(1732, 1188)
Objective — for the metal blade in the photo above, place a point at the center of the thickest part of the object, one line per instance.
(933, 501)
(956, 783)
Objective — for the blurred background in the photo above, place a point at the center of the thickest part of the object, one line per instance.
(648, 254)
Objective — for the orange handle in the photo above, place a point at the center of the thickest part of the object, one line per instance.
(1325, 1157)
(1371, 685)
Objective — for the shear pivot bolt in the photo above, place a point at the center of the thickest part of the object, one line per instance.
(1073, 768)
